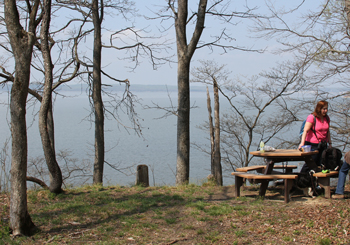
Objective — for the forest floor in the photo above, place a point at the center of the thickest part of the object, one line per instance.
(180, 215)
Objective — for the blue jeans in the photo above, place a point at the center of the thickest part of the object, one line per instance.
(343, 172)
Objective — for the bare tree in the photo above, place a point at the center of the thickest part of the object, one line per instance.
(97, 17)
(321, 32)
(259, 108)
(43, 93)
(22, 42)
(94, 12)
(45, 125)
(211, 73)
(185, 18)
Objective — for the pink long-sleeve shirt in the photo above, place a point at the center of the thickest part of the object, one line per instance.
(321, 129)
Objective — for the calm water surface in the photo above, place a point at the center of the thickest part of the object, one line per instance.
(156, 148)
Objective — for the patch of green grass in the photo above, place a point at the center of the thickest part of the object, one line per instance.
(149, 225)
(334, 231)
(188, 227)
(219, 210)
(238, 207)
(203, 218)
(170, 220)
(128, 221)
(200, 232)
(271, 221)
(243, 199)
(324, 241)
(239, 233)
(295, 222)
(195, 213)
(257, 202)
(32, 197)
(287, 239)
(310, 224)
(177, 197)
(296, 232)
(158, 211)
(4, 230)
(213, 236)
(271, 230)
(243, 213)
(156, 194)
(200, 205)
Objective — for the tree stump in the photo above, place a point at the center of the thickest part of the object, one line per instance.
(142, 175)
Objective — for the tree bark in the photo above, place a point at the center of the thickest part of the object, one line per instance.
(211, 133)
(22, 46)
(97, 96)
(185, 52)
(217, 154)
(46, 126)
(183, 124)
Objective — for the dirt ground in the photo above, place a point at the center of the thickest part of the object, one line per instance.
(304, 220)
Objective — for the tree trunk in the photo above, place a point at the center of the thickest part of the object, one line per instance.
(97, 96)
(217, 154)
(22, 46)
(183, 124)
(211, 132)
(46, 126)
(184, 55)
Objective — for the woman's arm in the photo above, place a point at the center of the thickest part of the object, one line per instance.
(329, 137)
(307, 127)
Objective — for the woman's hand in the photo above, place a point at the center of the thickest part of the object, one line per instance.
(300, 146)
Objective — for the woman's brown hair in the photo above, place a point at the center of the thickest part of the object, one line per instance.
(318, 108)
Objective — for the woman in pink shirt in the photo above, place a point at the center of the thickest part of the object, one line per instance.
(316, 130)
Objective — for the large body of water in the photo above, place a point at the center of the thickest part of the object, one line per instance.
(156, 148)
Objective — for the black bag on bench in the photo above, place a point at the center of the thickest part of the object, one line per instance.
(331, 159)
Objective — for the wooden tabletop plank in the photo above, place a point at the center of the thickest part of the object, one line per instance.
(263, 176)
(257, 167)
(250, 168)
(283, 153)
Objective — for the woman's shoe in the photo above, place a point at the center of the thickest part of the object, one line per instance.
(338, 196)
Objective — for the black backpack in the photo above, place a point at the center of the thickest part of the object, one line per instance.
(331, 159)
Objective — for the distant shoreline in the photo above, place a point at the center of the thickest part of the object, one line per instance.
(120, 87)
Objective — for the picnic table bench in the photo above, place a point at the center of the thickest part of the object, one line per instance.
(288, 177)
(325, 182)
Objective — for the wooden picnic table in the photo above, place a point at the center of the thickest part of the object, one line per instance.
(268, 174)
(283, 155)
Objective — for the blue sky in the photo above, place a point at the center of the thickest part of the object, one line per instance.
(239, 62)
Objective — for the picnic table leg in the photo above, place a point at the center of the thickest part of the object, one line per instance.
(265, 183)
(288, 184)
(238, 184)
(325, 183)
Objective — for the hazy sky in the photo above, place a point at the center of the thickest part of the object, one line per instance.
(239, 62)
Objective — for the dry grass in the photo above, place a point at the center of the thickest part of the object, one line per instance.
(179, 215)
